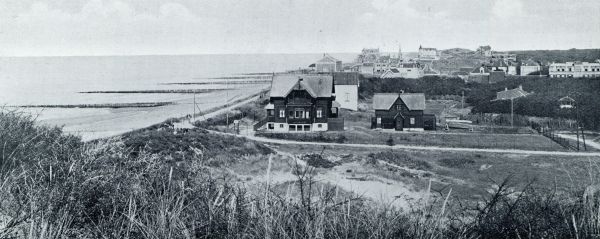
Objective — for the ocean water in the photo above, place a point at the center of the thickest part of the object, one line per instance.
(58, 81)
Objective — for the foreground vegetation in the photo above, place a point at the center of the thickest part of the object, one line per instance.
(158, 184)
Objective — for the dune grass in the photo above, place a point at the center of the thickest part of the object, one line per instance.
(55, 186)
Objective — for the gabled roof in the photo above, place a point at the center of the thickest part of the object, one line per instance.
(345, 78)
(511, 94)
(384, 101)
(327, 59)
(315, 85)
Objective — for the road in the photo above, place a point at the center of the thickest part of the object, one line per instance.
(416, 147)
(588, 143)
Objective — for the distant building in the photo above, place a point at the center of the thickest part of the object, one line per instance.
(346, 89)
(499, 65)
(512, 68)
(302, 103)
(328, 64)
(504, 56)
(403, 112)
(408, 70)
(428, 54)
(575, 69)
(427, 71)
(485, 51)
(528, 67)
(480, 74)
(461, 74)
(507, 94)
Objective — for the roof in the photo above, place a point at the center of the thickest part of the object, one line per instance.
(511, 94)
(327, 59)
(315, 85)
(384, 101)
(395, 70)
(345, 78)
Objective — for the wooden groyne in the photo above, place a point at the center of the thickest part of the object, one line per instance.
(246, 82)
(112, 105)
(175, 91)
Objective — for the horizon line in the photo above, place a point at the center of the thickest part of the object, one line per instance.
(266, 53)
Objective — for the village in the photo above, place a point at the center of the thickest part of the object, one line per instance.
(332, 96)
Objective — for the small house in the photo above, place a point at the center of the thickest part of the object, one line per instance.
(401, 111)
(507, 94)
(303, 103)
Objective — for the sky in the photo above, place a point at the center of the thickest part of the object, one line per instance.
(149, 27)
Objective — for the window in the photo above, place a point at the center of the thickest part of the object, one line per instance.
(270, 112)
(319, 113)
(280, 125)
(412, 121)
(399, 107)
(281, 113)
(319, 126)
(271, 126)
(299, 113)
(307, 128)
(347, 97)
(379, 120)
(307, 115)
(292, 128)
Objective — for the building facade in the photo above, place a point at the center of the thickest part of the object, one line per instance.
(574, 69)
(346, 89)
(302, 103)
(401, 111)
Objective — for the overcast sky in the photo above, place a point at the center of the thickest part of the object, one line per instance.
(133, 27)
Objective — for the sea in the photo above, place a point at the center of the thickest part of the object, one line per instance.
(56, 81)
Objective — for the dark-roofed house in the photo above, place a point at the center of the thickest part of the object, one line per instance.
(346, 89)
(402, 111)
(303, 103)
(328, 64)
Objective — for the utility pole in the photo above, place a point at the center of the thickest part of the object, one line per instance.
(227, 102)
(511, 113)
(194, 115)
(463, 100)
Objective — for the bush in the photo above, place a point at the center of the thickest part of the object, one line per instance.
(317, 161)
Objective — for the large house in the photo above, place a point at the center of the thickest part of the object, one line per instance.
(328, 64)
(346, 89)
(303, 103)
(403, 111)
(575, 69)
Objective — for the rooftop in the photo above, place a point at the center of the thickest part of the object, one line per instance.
(315, 85)
(384, 101)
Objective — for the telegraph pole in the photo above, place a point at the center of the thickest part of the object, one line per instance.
(511, 113)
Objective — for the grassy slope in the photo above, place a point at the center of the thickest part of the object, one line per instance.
(155, 184)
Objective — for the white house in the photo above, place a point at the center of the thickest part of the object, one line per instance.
(346, 89)
(575, 69)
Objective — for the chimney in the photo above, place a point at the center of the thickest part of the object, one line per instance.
(520, 87)
(505, 88)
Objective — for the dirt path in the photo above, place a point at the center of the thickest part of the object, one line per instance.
(588, 143)
(415, 147)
